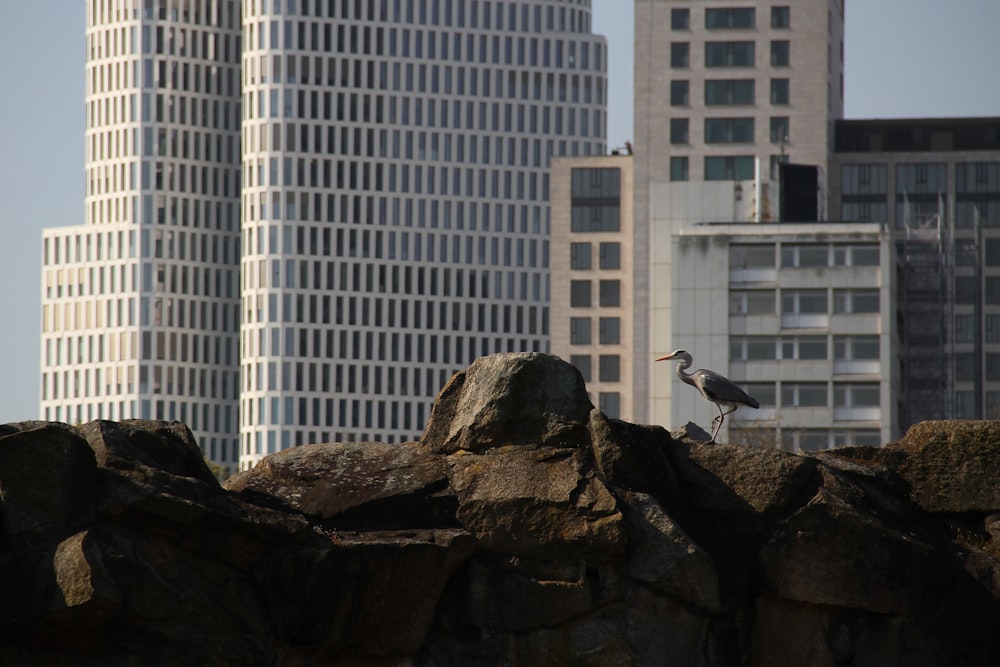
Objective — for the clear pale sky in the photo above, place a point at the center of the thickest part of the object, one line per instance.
(904, 59)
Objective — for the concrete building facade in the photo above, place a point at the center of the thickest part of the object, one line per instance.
(140, 308)
(592, 300)
(726, 92)
(802, 316)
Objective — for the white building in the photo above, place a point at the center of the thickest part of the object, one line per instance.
(389, 162)
(801, 315)
(395, 217)
(140, 303)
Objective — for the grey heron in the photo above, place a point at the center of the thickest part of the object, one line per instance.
(714, 387)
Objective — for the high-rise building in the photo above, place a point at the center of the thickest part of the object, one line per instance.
(725, 92)
(140, 311)
(935, 182)
(395, 201)
(389, 162)
(395, 218)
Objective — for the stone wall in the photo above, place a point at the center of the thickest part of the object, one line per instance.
(525, 528)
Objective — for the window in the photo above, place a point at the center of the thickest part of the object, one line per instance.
(993, 328)
(808, 255)
(855, 348)
(856, 395)
(992, 252)
(779, 91)
(680, 93)
(728, 130)
(753, 348)
(751, 302)
(856, 255)
(609, 330)
(729, 168)
(609, 293)
(610, 403)
(579, 331)
(751, 256)
(965, 328)
(595, 183)
(779, 129)
(680, 19)
(680, 55)
(678, 168)
(579, 293)
(965, 367)
(806, 301)
(595, 218)
(855, 301)
(803, 394)
(764, 392)
(729, 54)
(609, 368)
(582, 364)
(992, 367)
(579, 256)
(610, 256)
(965, 290)
(678, 130)
(780, 50)
(729, 18)
(729, 92)
(781, 17)
(992, 290)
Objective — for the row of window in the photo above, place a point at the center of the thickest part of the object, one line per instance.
(608, 368)
(364, 39)
(609, 330)
(609, 293)
(728, 18)
(609, 256)
(730, 54)
(802, 255)
(853, 348)
(728, 92)
(480, 116)
(200, 382)
(729, 130)
(351, 311)
(521, 17)
(803, 301)
(920, 178)
(813, 394)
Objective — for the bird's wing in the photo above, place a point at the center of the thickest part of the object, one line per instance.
(720, 388)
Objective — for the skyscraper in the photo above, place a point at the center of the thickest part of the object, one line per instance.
(140, 303)
(388, 161)
(395, 219)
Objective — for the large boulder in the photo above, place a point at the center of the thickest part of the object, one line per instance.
(510, 399)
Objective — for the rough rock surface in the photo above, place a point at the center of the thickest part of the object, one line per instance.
(525, 528)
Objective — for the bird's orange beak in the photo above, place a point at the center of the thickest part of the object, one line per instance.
(669, 356)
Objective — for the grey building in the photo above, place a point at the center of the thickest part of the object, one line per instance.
(936, 184)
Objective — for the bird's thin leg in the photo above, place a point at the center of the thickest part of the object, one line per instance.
(721, 418)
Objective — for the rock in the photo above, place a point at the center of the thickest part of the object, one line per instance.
(359, 480)
(951, 466)
(540, 503)
(525, 528)
(510, 399)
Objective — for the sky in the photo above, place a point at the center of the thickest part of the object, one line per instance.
(903, 59)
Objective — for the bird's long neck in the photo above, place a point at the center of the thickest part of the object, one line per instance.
(681, 367)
